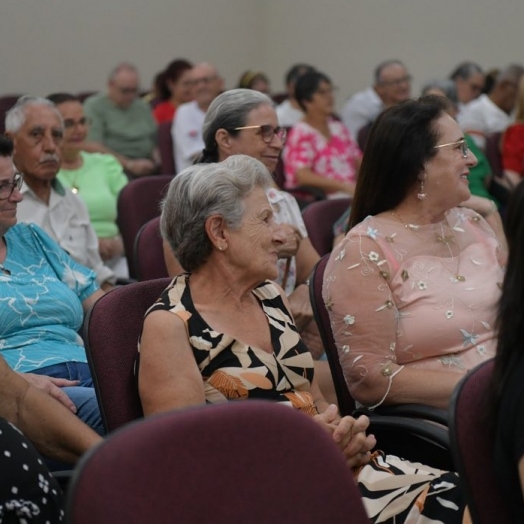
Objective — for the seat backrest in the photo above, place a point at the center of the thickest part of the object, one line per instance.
(494, 153)
(345, 401)
(165, 147)
(472, 447)
(248, 461)
(139, 202)
(111, 332)
(319, 218)
(149, 254)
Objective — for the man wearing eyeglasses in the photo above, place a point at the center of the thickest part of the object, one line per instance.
(122, 124)
(392, 85)
(189, 118)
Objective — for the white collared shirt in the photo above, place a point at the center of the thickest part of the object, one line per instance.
(360, 110)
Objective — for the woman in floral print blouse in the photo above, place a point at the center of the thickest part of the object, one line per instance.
(412, 288)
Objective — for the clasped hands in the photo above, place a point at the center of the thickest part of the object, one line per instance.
(349, 434)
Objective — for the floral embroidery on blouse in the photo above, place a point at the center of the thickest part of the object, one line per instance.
(421, 296)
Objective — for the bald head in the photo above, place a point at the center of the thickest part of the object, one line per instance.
(208, 84)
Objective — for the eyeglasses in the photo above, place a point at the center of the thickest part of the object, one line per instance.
(327, 90)
(7, 188)
(267, 132)
(397, 82)
(204, 79)
(128, 90)
(69, 123)
(459, 144)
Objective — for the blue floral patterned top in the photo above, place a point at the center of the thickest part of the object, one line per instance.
(41, 290)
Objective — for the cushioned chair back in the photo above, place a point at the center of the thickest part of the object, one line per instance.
(249, 461)
(111, 332)
(139, 202)
(345, 401)
(472, 447)
(494, 154)
(319, 218)
(149, 253)
(165, 147)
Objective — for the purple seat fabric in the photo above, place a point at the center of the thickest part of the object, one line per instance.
(319, 218)
(111, 331)
(472, 447)
(165, 147)
(251, 461)
(138, 202)
(149, 254)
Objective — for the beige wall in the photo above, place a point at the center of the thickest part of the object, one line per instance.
(49, 45)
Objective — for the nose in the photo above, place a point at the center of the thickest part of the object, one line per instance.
(279, 235)
(50, 143)
(471, 159)
(277, 142)
(16, 196)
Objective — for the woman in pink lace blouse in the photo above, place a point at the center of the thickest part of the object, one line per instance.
(412, 288)
(320, 151)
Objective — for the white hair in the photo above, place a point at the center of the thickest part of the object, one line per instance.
(15, 117)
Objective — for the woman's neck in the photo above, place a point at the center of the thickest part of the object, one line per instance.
(71, 159)
(319, 122)
(227, 290)
(419, 212)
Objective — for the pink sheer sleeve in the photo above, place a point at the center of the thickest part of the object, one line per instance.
(363, 316)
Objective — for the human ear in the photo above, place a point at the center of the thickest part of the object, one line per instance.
(224, 142)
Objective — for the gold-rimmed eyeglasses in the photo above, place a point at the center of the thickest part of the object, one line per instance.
(267, 132)
(459, 144)
(7, 188)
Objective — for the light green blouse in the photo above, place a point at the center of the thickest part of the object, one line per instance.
(98, 182)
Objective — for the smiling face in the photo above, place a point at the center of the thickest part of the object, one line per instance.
(249, 141)
(75, 125)
(37, 144)
(254, 246)
(447, 172)
(8, 206)
(182, 89)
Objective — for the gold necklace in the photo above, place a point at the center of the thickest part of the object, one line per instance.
(441, 238)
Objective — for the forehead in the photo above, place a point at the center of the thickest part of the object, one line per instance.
(70, 108)
(448, 129)
(256, 202)
(7, 168)
(203, 70)
(126, 76)
(393, 71)
(263, 114)
(40, 116)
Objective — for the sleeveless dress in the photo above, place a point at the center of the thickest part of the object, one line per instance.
(393, 490)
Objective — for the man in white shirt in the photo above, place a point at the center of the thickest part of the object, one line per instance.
(36, 128)
(392, 85)
(492, 113)
(189, 118)
(289, 112)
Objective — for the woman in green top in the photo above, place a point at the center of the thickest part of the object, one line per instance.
(97, 178)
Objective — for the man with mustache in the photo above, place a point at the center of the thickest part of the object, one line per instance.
(36, 128)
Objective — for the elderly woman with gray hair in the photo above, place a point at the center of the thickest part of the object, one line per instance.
(243, 121)
(224, 331)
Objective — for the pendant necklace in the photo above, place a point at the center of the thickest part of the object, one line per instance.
(441, 238)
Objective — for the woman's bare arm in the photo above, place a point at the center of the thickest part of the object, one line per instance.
(168, 376)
